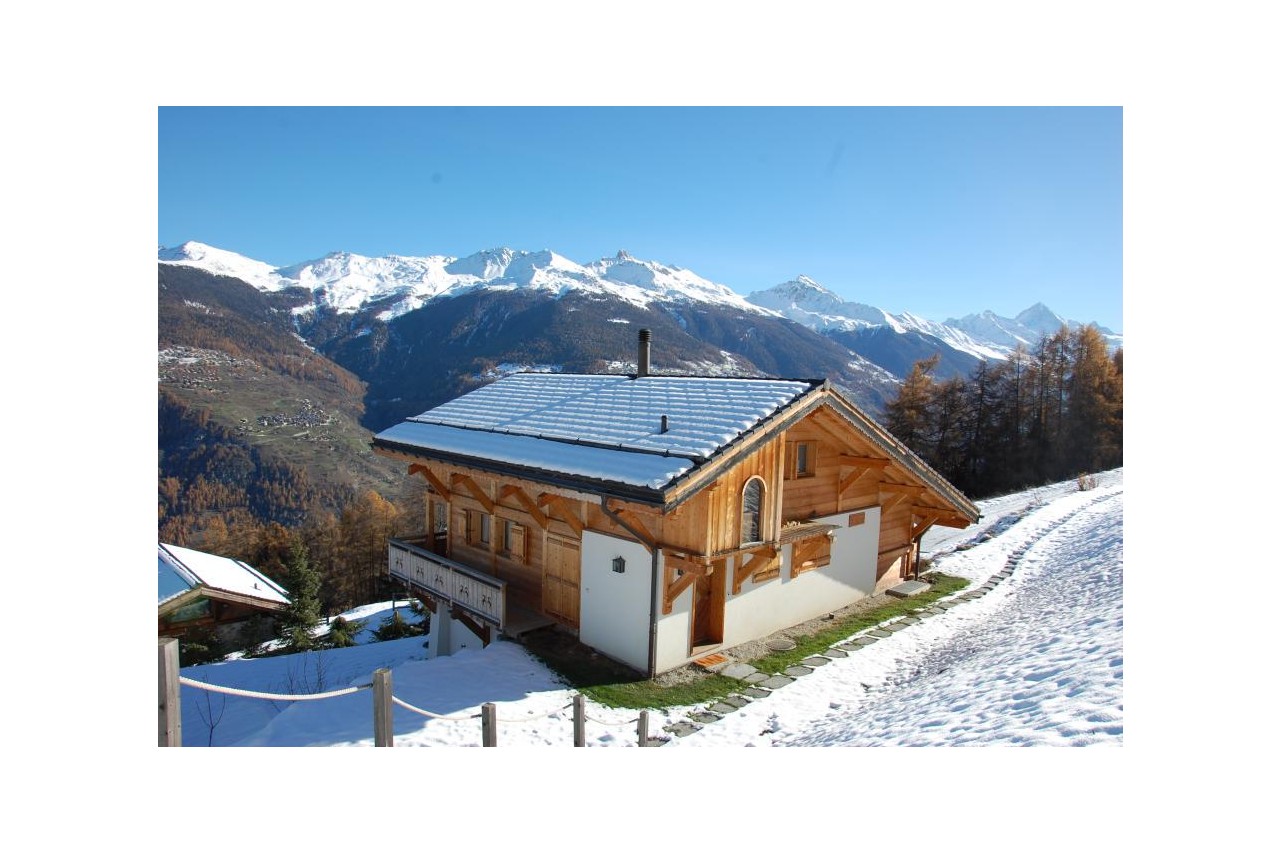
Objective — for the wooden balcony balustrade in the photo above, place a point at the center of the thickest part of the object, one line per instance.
(470, 589)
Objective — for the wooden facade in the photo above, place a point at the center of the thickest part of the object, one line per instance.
(732, 524)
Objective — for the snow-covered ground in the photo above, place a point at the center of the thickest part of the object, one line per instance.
(1038, 661)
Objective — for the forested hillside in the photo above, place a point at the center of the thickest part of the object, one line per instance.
(1046, 414)
(255, 427)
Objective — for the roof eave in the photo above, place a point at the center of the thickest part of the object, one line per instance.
(557, 479)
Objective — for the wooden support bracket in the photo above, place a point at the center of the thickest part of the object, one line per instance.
(525, 501)
(761, 560)
(473, 488)
(566, 513)
(927, 520)
(440, 488)
(890, 502)
(639, 528)
(857, 474)
(480, 629)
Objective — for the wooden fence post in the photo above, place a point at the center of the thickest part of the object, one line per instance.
(642, 728)
(170, 705)
(579, 720)
(488, 724)
(382, 728)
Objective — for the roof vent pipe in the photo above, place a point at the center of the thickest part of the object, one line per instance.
(664, 423)
(642, 361)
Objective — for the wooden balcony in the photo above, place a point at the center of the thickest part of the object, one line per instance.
(470, 589)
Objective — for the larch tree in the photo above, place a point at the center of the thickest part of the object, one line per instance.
(908, 415)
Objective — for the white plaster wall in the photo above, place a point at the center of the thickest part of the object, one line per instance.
(761, 609)
(460, 637)
(672, 646)
(456, 638)
(614, 612)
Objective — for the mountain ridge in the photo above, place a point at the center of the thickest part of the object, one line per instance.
(346, 283)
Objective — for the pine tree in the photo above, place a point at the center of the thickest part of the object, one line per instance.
(304, 604)
(343, 633)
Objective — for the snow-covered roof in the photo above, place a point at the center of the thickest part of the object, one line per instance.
(183, 569)
(601, 427)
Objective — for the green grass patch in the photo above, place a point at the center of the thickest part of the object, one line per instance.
(614, 685)
(649, 694)
(814, 644)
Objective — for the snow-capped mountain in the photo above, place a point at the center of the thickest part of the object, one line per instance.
(809, 303)
(973, 338)
(221, 262)
(382, 289)
(347, 283)
(1027, 328)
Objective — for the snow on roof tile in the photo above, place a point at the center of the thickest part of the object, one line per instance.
(189, 568)
(603, 427)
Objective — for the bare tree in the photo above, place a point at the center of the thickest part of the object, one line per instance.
(205, 708)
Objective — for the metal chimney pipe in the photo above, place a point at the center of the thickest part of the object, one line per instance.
(642, 361)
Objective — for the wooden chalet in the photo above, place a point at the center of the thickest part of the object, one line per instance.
(203, 590)
(659, 517)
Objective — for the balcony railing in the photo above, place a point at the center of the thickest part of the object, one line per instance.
(474, 591)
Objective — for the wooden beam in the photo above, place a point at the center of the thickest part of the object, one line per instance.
(895, 551)
(863, 461)
(480, 629)
(903, 489)
(435, 482)
(926, 521)
(892, 501)
(759, 562)
(566, 515)
(525, 501)
(673, 585)
(852, 478)
(640, 530)
(685, 562)
(473, 488)
(693, 559)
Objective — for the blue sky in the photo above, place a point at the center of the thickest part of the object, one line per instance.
(937, 211)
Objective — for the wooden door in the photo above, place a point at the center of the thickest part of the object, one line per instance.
(560, 579)
(708, 609)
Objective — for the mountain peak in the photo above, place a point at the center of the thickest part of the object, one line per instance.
(1041, 318)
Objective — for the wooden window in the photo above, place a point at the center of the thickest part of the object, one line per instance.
(752, 511)
(514, 540)
(477, 527)
(809, 554)
(802, 459)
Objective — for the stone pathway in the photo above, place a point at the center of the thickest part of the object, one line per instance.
(758, 685)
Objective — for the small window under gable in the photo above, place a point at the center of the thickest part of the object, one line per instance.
(802, 459)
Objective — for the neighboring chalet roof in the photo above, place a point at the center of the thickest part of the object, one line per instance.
(605, 433)
(183, 570)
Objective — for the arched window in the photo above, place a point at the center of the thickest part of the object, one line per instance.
(752, 505)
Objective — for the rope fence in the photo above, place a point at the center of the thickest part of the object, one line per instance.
(275, 697)
(383, 700)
